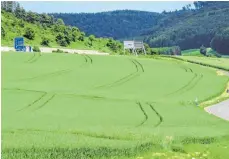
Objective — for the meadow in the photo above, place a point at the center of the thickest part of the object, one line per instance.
(87, 106)
(222, 63)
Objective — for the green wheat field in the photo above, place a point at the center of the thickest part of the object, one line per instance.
(86, 106)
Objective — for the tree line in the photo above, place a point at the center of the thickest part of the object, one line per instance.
(115, 24)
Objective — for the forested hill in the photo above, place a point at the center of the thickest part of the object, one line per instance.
(206, 24)
(117, 24)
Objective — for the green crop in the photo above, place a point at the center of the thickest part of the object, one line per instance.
(85, 106)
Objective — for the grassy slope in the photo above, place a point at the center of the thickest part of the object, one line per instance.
(222, 62)
(12, 27)
(191, 52)
(90, 110)
(196, 52)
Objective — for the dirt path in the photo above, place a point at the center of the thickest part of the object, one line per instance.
(221, 109)
(49, 50)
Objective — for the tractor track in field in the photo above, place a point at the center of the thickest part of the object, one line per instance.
(187, 69)
(34, 102)
(157, 113)
(143, 111)
(34, 58)
(55, 73)
(44, 94)
(191, 83)
(93, 135)
(99, 136)
(68, 94)
(183, 87)
(136, 66)
(86, 58)
(183, 67)
(146, 116)
(89, 58)
(38, 100)
(31, 58)
(194, 84)
(140, 65)
(126, 78)
(46, 102)
(27, 90)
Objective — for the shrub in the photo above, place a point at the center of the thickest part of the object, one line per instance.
(3, 33)
(203, 50)
(62, 40)
(58, 51)
(36, 49)
(91, 39)
(175, 50)
(29, 33)
(59, 36)
(21, 24)
(81, 37)
(45, 41)
(114, 45)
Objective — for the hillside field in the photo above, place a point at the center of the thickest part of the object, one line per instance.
(80, 106)
(215, 62)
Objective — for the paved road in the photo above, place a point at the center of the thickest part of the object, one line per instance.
(221, 109)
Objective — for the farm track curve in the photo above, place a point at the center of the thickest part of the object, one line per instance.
(157, 113)
(93, 135)
(67, 94)
(19, 89)
(194, 84)
(89, 58)
(31, 58)
(86, 58)
(35, 101)
(191, 83)
(146, 116)
(46, 102)
(183, 87)
(44, 94)
(126, 78)
(34, 58)
(55, 73)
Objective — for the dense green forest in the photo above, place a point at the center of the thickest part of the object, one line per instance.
(206, 24)
(117, 24)
(190, 28)
(45, 30)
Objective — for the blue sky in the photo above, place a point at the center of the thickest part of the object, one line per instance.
(92, 7)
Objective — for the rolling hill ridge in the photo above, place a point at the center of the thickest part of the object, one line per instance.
(206, 24)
